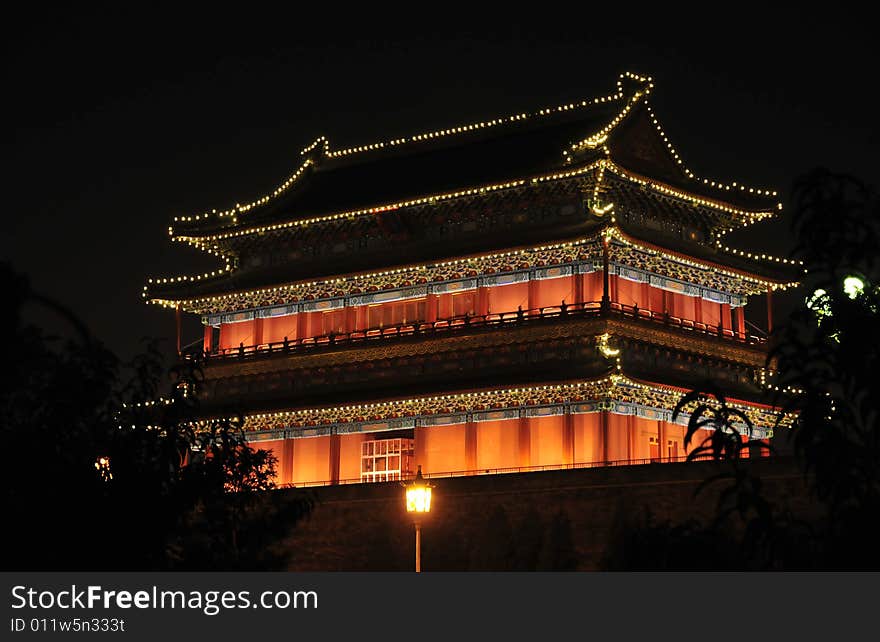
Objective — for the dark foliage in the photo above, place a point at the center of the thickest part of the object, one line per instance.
(825, 355)
(829, 350)
(153, 505)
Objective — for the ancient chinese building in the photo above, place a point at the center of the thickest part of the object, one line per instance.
(532, 291)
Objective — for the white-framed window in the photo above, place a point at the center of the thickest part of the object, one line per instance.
(386, 459)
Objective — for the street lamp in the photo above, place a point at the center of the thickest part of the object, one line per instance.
(418, 503)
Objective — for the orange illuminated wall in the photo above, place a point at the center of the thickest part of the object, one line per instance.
(276, 328)
(441, 449)
(508, 298)
(497, 444)
(618, 441)
(546, 441)
(711, 314)
(234, 334)
(587, 438)
(550, 293)
(591, 290)
(630, 293)
(544, 293)
(350, 455)
(311, 459)
(456, 304)
(676, 304)
(330, 322)
(642, 432)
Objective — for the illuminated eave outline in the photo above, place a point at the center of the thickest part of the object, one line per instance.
(704, 264)
(753, 216)
(646, 85)
(613, 379)
(602, 164)
(201, 242)
(324, 144)
(610, 231)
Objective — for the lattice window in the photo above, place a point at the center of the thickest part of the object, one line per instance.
(386, 459)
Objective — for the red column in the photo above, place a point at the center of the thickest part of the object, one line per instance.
(534, 284)
(470, 445)
(525, 443)
(724, 317)
(431, 308)
(741, 321)
(603, 435)
(769, 310)
(568, 438)
(209, 333)
(258, 331)
(350, 319)
(645, 296)
(661, 436)
(419, 448)
(606, 290)
(578, 287)
(286, 471)
(482, 301)
(631, 437)
(302, 327)
(444, 306)
(698, 310)
(334, 459)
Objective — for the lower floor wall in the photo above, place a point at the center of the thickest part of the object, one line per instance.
(552, 520)
(480, 447)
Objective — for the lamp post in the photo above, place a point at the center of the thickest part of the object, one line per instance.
(418, 503)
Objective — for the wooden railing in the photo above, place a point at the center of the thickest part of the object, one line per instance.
(464, 323)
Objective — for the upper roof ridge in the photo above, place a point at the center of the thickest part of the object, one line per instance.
(630, 87)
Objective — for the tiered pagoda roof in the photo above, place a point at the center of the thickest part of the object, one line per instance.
(571, 171)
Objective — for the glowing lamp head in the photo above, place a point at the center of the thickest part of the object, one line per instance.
(418, 495)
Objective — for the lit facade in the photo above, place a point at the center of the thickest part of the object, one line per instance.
(529, 292)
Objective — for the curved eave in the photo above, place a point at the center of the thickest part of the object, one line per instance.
(640, 144)
(546, 125)
(172, 295)
(210, 242)
(730, 209)
(783, 275)
(471, 191)
(492, 399)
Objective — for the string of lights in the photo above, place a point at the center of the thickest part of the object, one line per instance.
(479, 265)
(645, 85)
(610, 387)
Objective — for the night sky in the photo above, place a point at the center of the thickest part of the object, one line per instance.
(123, 118)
